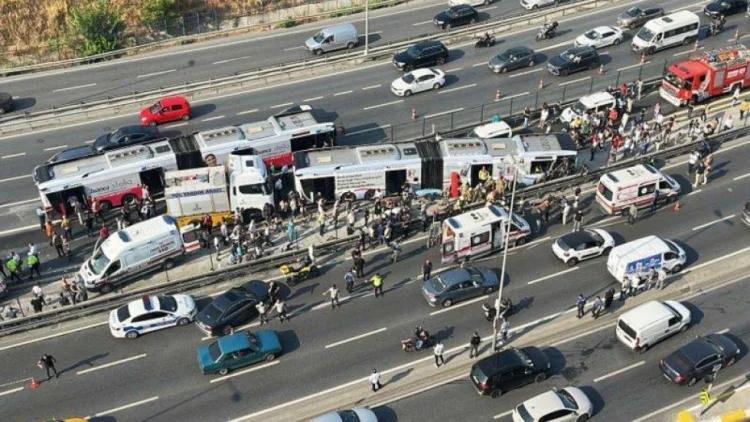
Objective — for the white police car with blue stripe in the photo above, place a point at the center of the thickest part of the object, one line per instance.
(151, 313)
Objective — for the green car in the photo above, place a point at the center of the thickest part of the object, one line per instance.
(237, 350)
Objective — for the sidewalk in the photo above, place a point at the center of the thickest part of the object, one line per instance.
(728, 403)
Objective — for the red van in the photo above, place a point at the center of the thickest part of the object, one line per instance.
(166, 110)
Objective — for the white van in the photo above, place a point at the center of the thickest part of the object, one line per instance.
(333, 38)
(493, 130)
(651, 322)
(141, 247)
(641, 255)
(592, 103)
(637, 185)
(679, 28)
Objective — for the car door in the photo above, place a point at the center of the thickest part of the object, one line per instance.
(521, 60)
(426, 58)
(608, 38)
(708, 365)
(234, 315)
(425, 82)
(468, 289)
(244, 357)
(590, 249)
(670, 260)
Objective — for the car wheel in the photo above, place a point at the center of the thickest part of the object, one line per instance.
(105, 288)
(129, 199)
(440, 61)
(269, 357)
(535, 7)
(572, 262)
(183, 321)
(447, 27)
(594, 65)
(223, 371)
(642, 349)
(606, 251)
(617, 41)
(583, 418)
(531, 63)
(226, 330)
(684, 328)
(407, 93)
(185, 117)
(563, 72)
(168, 264)
(504, 69)
(676, 269)
(472, 21)
(436, 86)
(447, 303)
(496, 393)
(317, 52)
(489, 290)
(520, 241)
(350, 45)
(650, 51)
(692, 381)
(131, 335)
(540, 378)
(105, 206)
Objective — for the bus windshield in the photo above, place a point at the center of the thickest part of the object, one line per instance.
(99, 262)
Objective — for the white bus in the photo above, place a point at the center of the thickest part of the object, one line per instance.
(679, 28)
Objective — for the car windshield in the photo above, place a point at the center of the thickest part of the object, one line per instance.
(99, 262)
(408, 78)
(605, 191)
(524, 357)
(567, 56)
(319, 37)
(504, 56)
(678, 82)
(413, 51)
(517, 221)
(167, 303)
(672, 247)
(645, 34)
(348, 416)
(212, 313)
(595, 236)
(592, 35)
(114, 135)
(123, 313)
(256, 189)
(568, 400)
(634, 12)
(579, 107)
(438, 284)
(450, 13)
(214, 351)
(155, 108)
(524, 414)
(478, 374)
(254, 341)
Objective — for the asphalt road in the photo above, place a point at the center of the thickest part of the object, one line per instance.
(325, 348)
(225, 57)
(361, 100)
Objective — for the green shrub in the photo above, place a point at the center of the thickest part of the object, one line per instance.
(98, 26)
(288, 23)
(154, 12)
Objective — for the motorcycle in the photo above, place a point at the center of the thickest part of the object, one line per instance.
(416, 343)
(716, 26)
(485, 42)
(506, 309)
(547, 31)
(296, 273)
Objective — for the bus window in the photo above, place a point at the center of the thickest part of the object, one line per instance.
(539, 167)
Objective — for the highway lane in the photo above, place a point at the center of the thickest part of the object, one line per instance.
(592, 364)
(227, 56)
(177, 380)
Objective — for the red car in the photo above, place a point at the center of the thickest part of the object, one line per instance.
(166, 110)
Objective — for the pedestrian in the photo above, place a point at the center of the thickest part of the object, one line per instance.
(57, 242)
(625, 286)
(273, 291)
(426, 270)
(504, 330)
(375, 381)
(79, 209)
(632, 214)
(639, 87)
(526, 117)
(217, 246)
(736, 96)
(577, 220)
(104, 232)
(700, 170)
(744, 108)
(74, 292)
(690, 108)
(728, 123)
(42, 216)
(261, 308)
(596, 309)
(280, 308)
(321, 223)
(661, 276)
(66, 248)
(565, 211)
(708, 164)
(609, 296)
(438, 352)
(359, 266)
(88, 223)
(377, 283)
(33, 262)
(96, 209)
(576, 196)
(349, 280)
(48, 362)
(334, 292)
(474, 343)
(37, 292)
(67, 227)
(580, 305)
(692, 160)
(655, 201)
(37, 304)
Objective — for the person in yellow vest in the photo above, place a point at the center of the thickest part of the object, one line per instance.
(377, 283)
(12, 266)
(66, 226)
(33, 262)
(744, 108)
(484, 174)
(501, 184)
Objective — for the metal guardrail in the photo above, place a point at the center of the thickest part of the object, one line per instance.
(265, 75)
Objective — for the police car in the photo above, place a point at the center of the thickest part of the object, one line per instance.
(151, 313)
(574, 247)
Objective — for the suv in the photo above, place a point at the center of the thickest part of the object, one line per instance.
(638, 16)
(455, 16)
(421, 54)
(574, 60)
(508, 370)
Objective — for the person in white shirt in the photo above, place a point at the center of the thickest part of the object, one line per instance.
(438, 351)
(375, 380)
(37, 292)
(334, 292)
(728, 123)
(661, 276)
(262, 311)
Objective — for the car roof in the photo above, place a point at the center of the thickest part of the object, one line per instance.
(454, 276)
(428, 43)
(520, 49)
(461, 6)
(576, 238)
(597, 98)
(603, 28)
(136, 129)
(73, 153)
(543, 404)
(256, 288)
(175, 99)
(698, 349)
(143, 305)
(227, 299)
(423, 71)
(646, 313)
(234, 342)
(581, 49)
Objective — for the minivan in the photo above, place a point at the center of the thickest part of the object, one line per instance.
(679, 28)
(649, 323)
(333, 38)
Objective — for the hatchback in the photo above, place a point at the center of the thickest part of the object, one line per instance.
(166, 110)
(575, 247)
(458, 284)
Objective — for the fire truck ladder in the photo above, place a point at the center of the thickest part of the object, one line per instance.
(726, 56)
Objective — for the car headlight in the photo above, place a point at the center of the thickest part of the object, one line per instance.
(439, 22)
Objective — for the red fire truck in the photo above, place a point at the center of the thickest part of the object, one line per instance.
(712, 73)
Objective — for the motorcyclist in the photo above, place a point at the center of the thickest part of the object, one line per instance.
(421, 336)
(489, 312)
(505, 306)
(486, 38)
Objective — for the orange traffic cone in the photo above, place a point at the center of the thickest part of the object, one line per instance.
(34, 383)
(541, 83)
(414, 113)
(497, 95)
(601, 69)
(677, 206)
(643, 58)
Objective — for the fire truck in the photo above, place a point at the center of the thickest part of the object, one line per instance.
(713, 73)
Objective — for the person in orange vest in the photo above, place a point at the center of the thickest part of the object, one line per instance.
(612, 115)
(49, 230)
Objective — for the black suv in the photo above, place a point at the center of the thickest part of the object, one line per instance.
(574, 60)
(725, 8)
(421, 54)
(456, 15)
(509, 369)
(702, 357)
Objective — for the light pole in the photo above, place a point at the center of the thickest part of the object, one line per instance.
(505, 259)
(367, 27)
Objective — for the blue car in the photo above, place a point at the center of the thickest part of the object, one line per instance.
(238, 350)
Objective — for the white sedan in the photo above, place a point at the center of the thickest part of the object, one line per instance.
(474, 3)
(573, 248)
(569, 404)
(151, 313)
(417, 81)
(602, 36)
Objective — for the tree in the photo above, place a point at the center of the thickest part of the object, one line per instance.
(98, 26)
(156, 11)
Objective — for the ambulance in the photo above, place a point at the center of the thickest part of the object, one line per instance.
(638, 185)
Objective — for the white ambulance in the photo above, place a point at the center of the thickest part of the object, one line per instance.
(638, 185)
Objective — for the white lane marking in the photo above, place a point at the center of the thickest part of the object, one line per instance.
(574, 81)
(342, 93)
(20, 154)
(14, 178)
(544, 239)
(736, 178)
(163, 72)
(443, 113)
(489, 8)
(724, 331)
(19, 229)
(682, 53)
(25, 201)
(515, 75)
(24, 343)
(54, 148)
(70, 88)
(372, 129)
(383, 105)
(240, 113)
(633, 65)
(421, 23)
(231, 60)
(694, 192)
(553, 47)
(703, 226)
(502, 415)
(547, 277)
(213, 118)
(479, 64)
(445, 91)
(461, 305)
(371, 87)
(107, 365)
(619, 371)
(299, 47)
(281, 105)
(246, 371)
(172, 126)
(15, 390)
(515, 95)
(455, 69)
(127, 406)
(94, 140)
(606, 220)
(361, 336)
(416, 392)
(705, 264)
(312, 99)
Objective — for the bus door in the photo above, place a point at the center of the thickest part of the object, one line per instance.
(326, 186)
(60, 200)
(154, 180)
(393, 181)
(475, 169)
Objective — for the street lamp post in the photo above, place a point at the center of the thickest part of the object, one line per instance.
(367, 27)
(505, 260)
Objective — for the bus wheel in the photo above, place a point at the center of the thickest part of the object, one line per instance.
(349, 197)
(105, 206)
(128, 199)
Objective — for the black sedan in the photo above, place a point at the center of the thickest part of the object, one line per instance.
(232, 308)
(72, 154)
(456, 15)
(6, 102)
(574, 60)
(513, 58)
(725, 7)
(701, 357)
(125, 136)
